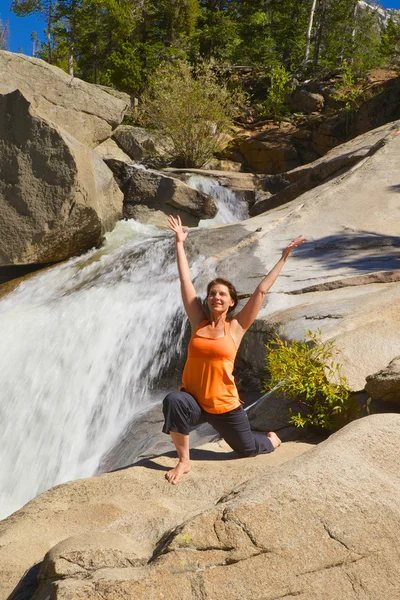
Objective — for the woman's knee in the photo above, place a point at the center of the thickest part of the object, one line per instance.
(173, 400)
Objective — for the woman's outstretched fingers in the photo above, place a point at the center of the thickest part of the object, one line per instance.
(175, 224)
(293, 244)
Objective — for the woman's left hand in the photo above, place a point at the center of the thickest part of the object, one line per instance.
(296, 242)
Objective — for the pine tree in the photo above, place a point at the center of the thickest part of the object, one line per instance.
(4, 34)
(45, 9)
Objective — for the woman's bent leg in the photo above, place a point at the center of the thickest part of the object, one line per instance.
(234, 428)
(181, 412)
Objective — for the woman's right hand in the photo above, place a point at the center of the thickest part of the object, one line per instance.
(176, 226)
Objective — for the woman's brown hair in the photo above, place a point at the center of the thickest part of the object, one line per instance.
(232, 290)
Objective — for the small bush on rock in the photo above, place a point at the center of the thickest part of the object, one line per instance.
(192, 108)
(303, 371)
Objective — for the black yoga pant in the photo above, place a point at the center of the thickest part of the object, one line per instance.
(182, 412)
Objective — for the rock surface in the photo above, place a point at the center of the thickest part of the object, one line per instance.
(112, 153)
(306, 102)
(288, 186)
(385, 385)
(345, 280)
(253, 528)
(87, 112)
(150, 195)
(264, 154)
(135, 503)
(55, 192)
(144, 146)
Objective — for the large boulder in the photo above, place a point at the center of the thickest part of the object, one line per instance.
(57, 197)
(385, 385)
(87, 112)
(305, 101)
(269, 152)
(280, 524)
(150, 195)
(382, 104)
(145, 146)
(135, 503)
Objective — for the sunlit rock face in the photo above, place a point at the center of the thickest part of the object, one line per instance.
(296, 522)
(344, 280)
(57, 196)
(85, 111)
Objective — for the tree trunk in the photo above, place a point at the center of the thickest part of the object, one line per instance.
(309, 32)
(72, 32)
(320, 28)
(49, 23)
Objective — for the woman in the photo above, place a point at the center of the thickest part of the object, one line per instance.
(209, 392)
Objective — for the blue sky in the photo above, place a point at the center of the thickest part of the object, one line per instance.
(21, 28)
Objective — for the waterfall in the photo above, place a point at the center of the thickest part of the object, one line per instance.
(81, 344)
(230, 207)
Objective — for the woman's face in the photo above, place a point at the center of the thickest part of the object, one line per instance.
(219, 299)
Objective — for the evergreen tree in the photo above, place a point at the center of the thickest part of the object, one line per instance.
(390, 40)
(4, 35)
(45, 9)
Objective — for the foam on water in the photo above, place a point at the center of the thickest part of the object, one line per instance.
(81, 345)
(230, 207)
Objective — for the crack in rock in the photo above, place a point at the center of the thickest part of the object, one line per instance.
(198, 588)
(380, 277)
(227, 516)
(341, 563)
(322, 317)
(334, 537)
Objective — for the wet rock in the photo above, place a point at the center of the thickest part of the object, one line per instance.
(166, 195)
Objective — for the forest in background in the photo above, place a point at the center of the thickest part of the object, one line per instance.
(121, 43)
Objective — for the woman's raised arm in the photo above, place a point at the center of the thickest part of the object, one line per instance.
(193, 308)
(249, 312)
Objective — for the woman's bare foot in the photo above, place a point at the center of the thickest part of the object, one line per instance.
(173, 476)
(274, 439)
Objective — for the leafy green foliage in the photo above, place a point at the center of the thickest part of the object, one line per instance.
(307, 373)
(280, 86)
(124, 68)
(123, 42)
(192, 108)
(350, 89)
(390, 41)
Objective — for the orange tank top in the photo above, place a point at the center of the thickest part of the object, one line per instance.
(208, 372)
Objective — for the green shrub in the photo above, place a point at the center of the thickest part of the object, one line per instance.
(192, 108)
(350, 89)
(304, 370)
(280, 86)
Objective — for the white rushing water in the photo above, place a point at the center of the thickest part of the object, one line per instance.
(230, 208)
(81, 345)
